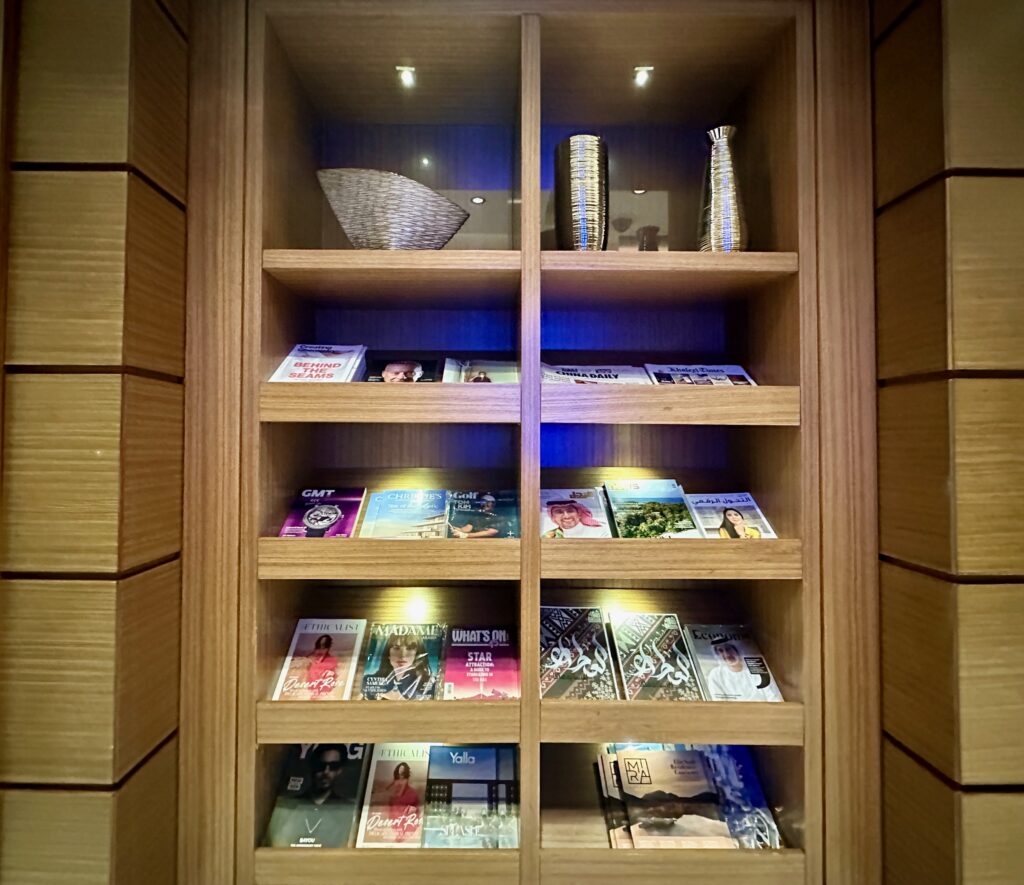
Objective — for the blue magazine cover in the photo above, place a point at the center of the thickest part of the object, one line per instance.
(406, 514)
(472, 797)
(742, 800)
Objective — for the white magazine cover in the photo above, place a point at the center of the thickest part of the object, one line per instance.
(395, 798)
(699, 374)
(574, 513)
(480, 371)
(730, 663)
(322, 660)
(594, 375)
(733, 515)
(323, 363)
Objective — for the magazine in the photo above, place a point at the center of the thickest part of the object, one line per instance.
(574, 658)
(402, 368)
(573, 513)
(650, 508)
(322, 660)
(392, 815)
(324, 513)
(653, 658)
(741, 798)
(406, 514)
(594, 375)
(472, 797)
(404, 662)
(733, 515)
(730, 664)
(483, 514)
(481, 664)
(322, 362)
(614, 808)
(671, 801)
(318, 800)
(481, 371)
(699, 374)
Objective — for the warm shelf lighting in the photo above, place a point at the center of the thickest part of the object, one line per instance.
(477, 201)
(639, 191)
(406, 75)
(424, 161)
(642, 74)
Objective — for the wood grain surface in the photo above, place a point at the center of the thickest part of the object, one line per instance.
(210, 548)
(396, 867)
(453, 722)
(666, 867)
(586, 278)
(399, 278)
(377, 403)
(660, 558)
(577, 721)
(670, 404)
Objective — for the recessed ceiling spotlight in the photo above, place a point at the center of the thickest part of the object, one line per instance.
(639, 190)
(406, 75)
(641, 74)
(424, 161)
(478, 201)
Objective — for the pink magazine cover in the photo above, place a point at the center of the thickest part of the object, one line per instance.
(481, 664)
(323, 513)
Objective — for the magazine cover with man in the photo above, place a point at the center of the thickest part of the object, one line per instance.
(732, 667)
(404, 662)
(392, 815)
(318, 801)
(574, 513)
(482, 515)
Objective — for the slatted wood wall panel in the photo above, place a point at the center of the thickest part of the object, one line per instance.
(90, 601)
(949, 174)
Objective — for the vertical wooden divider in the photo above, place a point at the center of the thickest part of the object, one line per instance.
(529, 456)
(209, 648)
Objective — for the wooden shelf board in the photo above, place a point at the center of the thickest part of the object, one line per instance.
(622, 278)
(454, 722)
(696, 559)
(669, 867)
(360, 403)
(358, 558)
(372, 866)
(694, 722)
(400, 278)
(669, 404)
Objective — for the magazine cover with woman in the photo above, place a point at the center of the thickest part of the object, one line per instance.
(403, 662)
(392, 815)
(733, 515)
(321, 662)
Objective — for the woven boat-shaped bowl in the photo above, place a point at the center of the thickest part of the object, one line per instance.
(384, 210)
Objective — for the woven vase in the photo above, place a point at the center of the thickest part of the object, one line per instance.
(385, 210)
(723, 227)
(581, 193)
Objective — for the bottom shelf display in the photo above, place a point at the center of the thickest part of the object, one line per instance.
(397, 795)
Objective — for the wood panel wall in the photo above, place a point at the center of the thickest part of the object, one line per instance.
(949, 187)
(93, 396)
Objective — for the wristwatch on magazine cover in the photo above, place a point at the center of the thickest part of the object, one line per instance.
(320, 518)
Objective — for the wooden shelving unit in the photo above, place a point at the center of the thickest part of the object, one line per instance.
(497, 287)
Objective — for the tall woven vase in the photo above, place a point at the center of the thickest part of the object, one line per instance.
(581, 193)
(723, 227)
